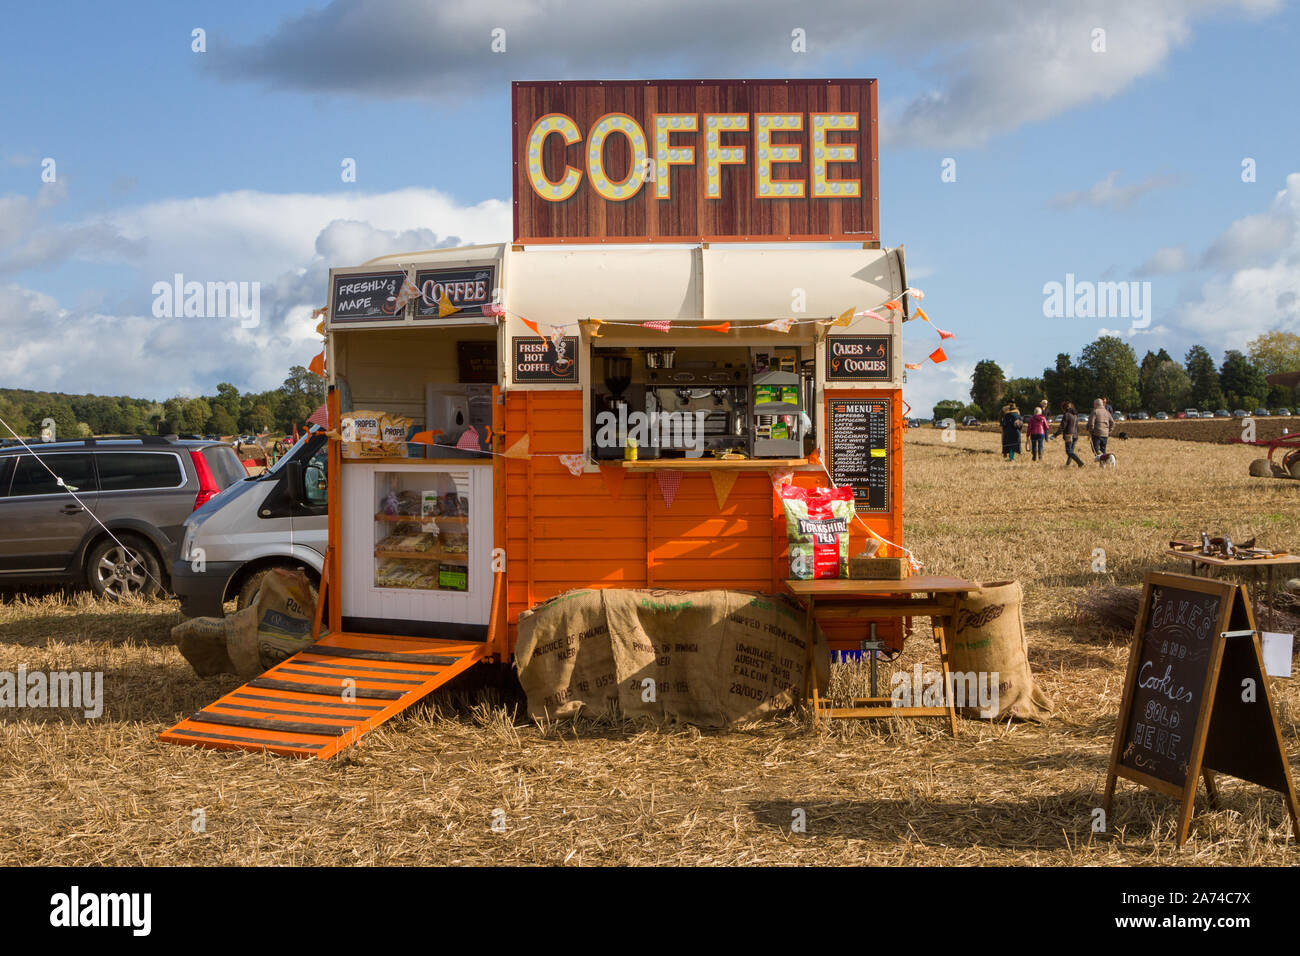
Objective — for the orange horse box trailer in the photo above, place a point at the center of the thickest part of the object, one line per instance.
(606, 402)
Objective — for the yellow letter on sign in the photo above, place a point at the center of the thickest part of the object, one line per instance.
(544, 127)
(823, 186)
(666, 154)
(768, 153)
(606, 126)
(716, 155)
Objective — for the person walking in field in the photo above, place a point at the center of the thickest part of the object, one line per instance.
(1068, 431)
(1099, 426)
(1011, 422)
(1036, 428)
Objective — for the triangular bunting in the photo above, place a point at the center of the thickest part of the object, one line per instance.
(405, 294)
(494, 309)
(780, 476)
(938, 356)
(669, 481)
(593, 327)
(722, 327)
(317, 365)
(445, 308)
(845, 318)
(320, 327)
(425, 437)
(659, 325)
(532, 325)
(915, 293)
(778, 325)
(518, 450)
(912, 365)
(723, 482)
(613, 475)
(892, 306)
(574, 463)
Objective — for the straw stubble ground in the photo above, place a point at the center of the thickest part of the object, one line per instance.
(427, 787)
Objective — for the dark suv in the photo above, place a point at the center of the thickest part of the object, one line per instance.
(107, 512)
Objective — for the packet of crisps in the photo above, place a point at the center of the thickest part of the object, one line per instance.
(373, 434)
(817, 526)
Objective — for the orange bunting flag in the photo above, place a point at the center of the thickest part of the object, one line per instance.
(723, 481)
(938, 356)
(781, 476)
(425, 437)
(518, 450)
(669, 482)
(778, 325)
(613, 475)
(814, 457)
(920, 314)
(892, 306)
(320, 327)
(532, 325)
(723, 327)
(912, 365)
(845, 318)
(317, 365)
(593, 327)
(445, 308)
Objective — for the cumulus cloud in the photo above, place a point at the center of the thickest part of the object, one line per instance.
(992, 66)
(286, 243)
(1164, 261)
(1257, 287)
(1109, 194)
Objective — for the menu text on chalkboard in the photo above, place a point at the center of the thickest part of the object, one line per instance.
(539, 360)
(858, 358)
(1180, 631)
(477, 361)
(859, 450)
(371, 297)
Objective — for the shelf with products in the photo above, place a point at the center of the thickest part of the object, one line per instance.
(422, 524)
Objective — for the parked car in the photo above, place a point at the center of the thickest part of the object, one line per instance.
(1191, 413)
(1142, 416)
(1261, 413)
(944, 423)
(140, 489)
(1121, 417)
(1180, 415)
(277, 519)
(1240, 413)
(1281, 411)
(913, 423)
(970, 420)
(1162, 416)
(1222, 413)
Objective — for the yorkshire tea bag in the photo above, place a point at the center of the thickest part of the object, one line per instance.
(817, 526)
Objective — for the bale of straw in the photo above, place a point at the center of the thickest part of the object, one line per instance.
(1261, 468)
(1114, 608)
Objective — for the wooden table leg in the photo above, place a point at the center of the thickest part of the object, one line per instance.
(811, 665)
(940, 628)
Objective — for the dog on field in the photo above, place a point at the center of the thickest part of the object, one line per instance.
(1108, 460)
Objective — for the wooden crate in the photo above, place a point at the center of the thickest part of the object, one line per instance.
(887, 569)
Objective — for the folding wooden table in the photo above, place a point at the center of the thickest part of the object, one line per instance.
(838, 599)
(1260, 568)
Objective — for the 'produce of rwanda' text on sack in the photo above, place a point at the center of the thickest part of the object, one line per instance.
(989, 639)
(817, 526)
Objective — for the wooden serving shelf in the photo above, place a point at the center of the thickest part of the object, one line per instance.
(712, 464)
(433, 554)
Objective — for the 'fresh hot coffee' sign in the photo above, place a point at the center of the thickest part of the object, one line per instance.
(695, 160)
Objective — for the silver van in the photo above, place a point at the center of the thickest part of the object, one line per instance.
(274, 520)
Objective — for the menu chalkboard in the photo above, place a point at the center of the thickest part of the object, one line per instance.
(858, 358)
(371, 297)
(1180, 631)
(859, 450)
(477, 361)
(1196, 699)
(537, 360)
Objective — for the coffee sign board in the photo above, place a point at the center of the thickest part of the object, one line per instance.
(539, 361)
(366, 297)
(695, 160)
(466, 290)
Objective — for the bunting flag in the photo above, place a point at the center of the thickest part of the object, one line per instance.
(532, 325)
(593, 327)
(321, 313)
(814, 457)
(493, 309)
(320, 327)
(468, 440)
(445, 308)
(915, 293)
(778, 325)
(938, 356)
(920, 314)
(669, 482)
(574, 463)
(780, 476)
(659, 325)
(405, 294)
(723, 482)
(893, 306)
(518, 450)
(846, 318)
(613, 475)
(557, 336)
(425, 437)
(320, 417)
(912, 365)
(317, 365)
(872, 314)
(721, 327)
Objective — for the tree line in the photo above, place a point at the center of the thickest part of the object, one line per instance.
(226, 412)
(1109, 367)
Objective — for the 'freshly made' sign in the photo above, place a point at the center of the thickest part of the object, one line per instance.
(695, 160)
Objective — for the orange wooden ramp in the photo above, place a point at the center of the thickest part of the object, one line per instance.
(329, 696)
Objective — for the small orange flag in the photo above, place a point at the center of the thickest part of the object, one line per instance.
(938, 356)
(518, 450)
(723, 482)
(317, 365)
(892, 306)
(723, 327)
(533, 326)
(613, 475)
(845, 318)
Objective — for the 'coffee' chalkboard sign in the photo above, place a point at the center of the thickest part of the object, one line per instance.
(538, 360)
(859, 450)
(1196, 700)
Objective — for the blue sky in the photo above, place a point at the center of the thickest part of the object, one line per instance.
(1115, 165)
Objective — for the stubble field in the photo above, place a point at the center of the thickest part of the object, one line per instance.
(428, 786)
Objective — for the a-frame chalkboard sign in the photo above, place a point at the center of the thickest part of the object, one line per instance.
(1196, 699)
